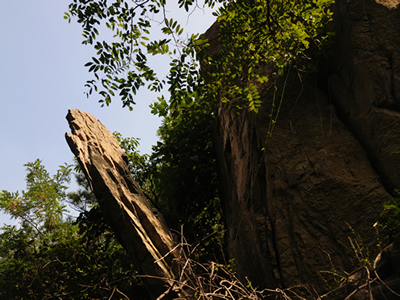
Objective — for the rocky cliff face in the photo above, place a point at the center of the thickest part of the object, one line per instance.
(365, 85)
(334, 155)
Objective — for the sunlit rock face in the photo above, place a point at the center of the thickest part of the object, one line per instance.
(293, 210)
(146, 239)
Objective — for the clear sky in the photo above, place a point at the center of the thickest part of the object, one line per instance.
(42, 75)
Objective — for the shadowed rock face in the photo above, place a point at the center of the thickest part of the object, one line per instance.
(365, 85)
(144, 237)
(387, 266)
(290, 211)
(333, 156)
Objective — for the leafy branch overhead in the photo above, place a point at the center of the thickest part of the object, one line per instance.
(252, 34)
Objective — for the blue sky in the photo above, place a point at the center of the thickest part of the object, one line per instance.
(42, 75)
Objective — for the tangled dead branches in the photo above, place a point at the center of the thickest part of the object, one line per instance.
(214, 281)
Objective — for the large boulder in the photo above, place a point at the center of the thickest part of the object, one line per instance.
(303, 210)
(365, 84)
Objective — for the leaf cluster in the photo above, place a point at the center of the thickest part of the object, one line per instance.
(179, 178)
(121, 67)
(47, 256)
(40, 206)
(188, 171)
(252, 35)
(388, 225)
(261, 35)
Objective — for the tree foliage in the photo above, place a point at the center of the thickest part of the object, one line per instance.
(259, 35)
(47, 256)
(40, 206)
(388, 225)
(252, 34)
(180, 179)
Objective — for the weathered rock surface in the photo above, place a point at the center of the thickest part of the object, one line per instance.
(365, 85)
(332, 158)
(144, 237)
(298, 206)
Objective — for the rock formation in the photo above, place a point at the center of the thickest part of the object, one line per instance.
(146, 239)
(365, 84)
(304, 209)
